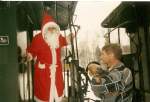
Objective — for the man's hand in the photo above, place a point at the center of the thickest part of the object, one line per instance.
(68, 38)
(96, 79)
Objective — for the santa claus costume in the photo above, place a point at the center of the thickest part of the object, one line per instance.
(46, 48)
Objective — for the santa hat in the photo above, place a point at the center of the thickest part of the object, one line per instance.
(47, 22)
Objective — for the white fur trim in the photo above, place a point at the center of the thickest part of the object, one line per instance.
(41, 66)
(53, 90)
(50, 24)
(57, 98)
(37, 99)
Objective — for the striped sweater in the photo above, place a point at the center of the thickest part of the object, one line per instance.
(116, 85)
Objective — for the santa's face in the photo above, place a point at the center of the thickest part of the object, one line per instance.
(52, 30)
(51, 37)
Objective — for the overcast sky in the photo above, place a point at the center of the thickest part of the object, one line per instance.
(90, 14)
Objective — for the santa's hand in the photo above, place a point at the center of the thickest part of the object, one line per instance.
(68, 38)
(73, 35)
(29, 57)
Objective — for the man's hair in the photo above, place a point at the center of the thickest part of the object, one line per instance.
(113, 48)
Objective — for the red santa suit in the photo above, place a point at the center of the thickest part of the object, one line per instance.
(48, 79)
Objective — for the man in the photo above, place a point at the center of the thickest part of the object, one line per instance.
(115, 83)
(46, 49)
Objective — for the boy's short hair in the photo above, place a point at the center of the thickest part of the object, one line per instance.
(113, 48)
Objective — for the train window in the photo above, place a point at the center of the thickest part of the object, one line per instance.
(114, 37)
(121, 39)
(125, 41)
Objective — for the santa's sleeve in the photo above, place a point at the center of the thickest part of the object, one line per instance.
(32, 48)
(63, 41)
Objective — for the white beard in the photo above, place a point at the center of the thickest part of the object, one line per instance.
(52, 39)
